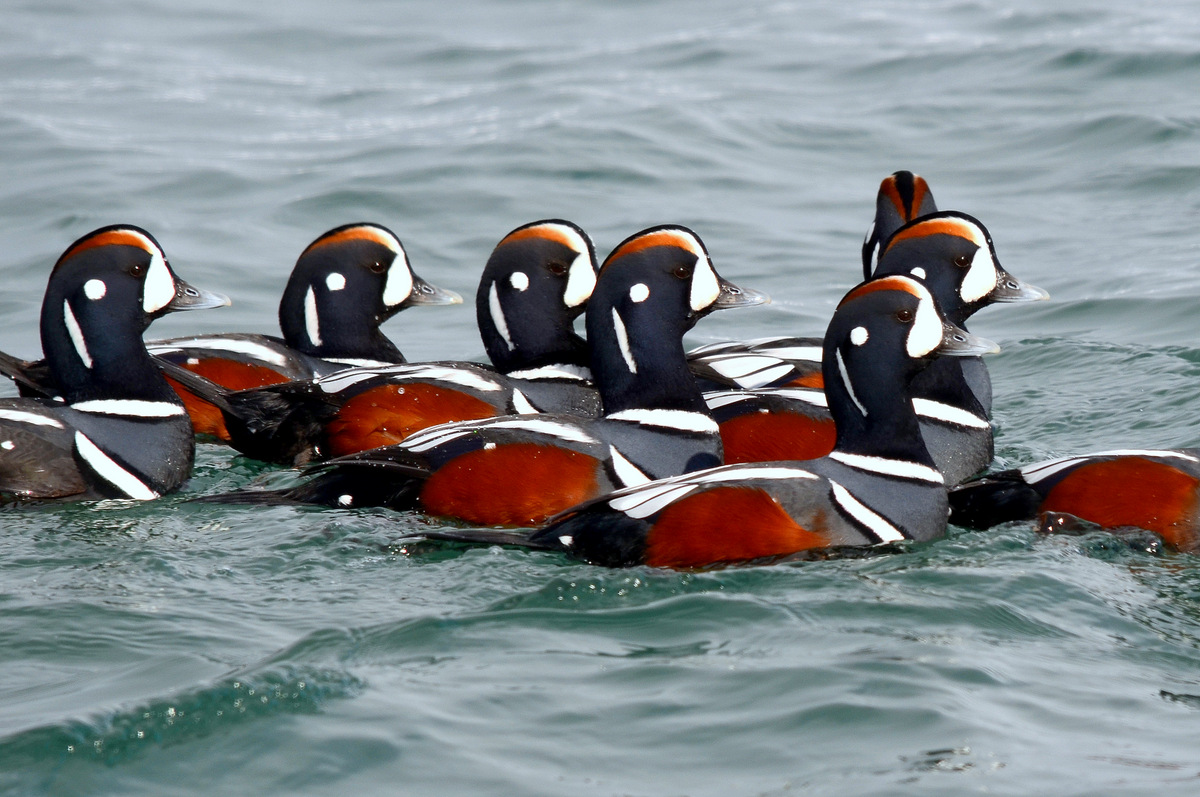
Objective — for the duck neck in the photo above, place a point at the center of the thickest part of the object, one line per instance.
(638, 359)
(873, 412)
(322, 323)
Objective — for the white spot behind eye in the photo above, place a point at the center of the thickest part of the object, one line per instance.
(7, 445)
(94, 289)
(639, 292)
(859, 336)
(335, 281)
(918, 272)
(519, 280)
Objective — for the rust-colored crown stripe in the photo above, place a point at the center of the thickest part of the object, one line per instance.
(355, 234)
(651, 239)
(896, 283)
(110, 238)
(923, 229)
(890, 188)
(548, 232)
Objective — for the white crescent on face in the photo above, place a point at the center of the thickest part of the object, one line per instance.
(581, 275)
(399, 284)
(926, 332)
(159, 288)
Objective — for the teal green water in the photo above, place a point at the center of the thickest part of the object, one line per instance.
(176, 649)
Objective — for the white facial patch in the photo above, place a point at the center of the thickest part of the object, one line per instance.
(94, 289)
(312, 325)
(76, 334)
(981, 276)
(159, 288)
(623, 341)
(498, 319)
(859, 336)
(581, 276)
(399, 284)
(335, 281)
(705, 288)
(918, 272)
(926, 332)
(639, 292)
(519, 280)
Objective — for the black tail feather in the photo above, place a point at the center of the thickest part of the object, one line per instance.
(519, 538)
(32, 377)
(994, 499)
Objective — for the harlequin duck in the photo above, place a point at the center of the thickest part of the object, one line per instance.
(796, 362)
(953, 255)
(534, 285)
(344, 285)
(519, 471)
(1155, 490)
(118, 430)
(878, 485)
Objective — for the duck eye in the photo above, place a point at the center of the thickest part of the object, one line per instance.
(905, 316)
(557, 267)
(376, 267)
(683, 272)
(138, 270)
(962, 261)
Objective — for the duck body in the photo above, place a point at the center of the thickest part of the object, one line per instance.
(1155, 489)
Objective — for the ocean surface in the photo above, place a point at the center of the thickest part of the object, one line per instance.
(178, 649)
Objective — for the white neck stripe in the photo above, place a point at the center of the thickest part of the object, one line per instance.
(130, 407)
(890, 467)
(936, 410)
(312, 325)
(841, 364)
(576, 373)
(498, 316)
(683, 420)
(76, 333)
(623, 341)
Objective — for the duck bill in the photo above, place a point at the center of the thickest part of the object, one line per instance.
(731, 295)
(424, 293)
(958, 342)
(1011, 290)
(190, 298)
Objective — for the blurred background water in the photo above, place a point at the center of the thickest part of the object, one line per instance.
(174, 649)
